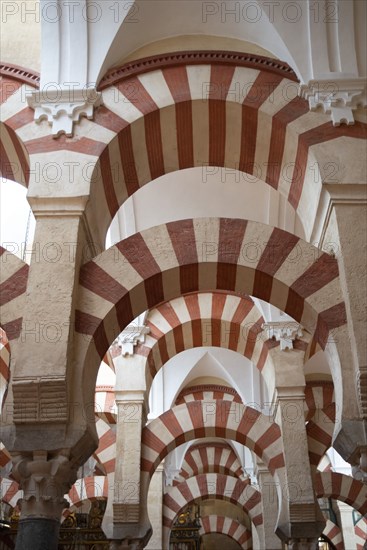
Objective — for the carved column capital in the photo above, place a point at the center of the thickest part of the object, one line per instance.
(131, 337)
(284, 332)
(44, 478)
(63, 107)
(339, 97)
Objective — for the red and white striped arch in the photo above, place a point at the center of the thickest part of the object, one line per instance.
(13, 284)
(360, 530)
(105, 404)
(342, 487)
(325, 464)
(10, 491)
(4, 365)
(15, 121)
(224, 419)
(215, 114)
(318, 395)
(106, 451)
(166, 261)
(207, 391)
(320, 417)
(212, 486)
(88, 488)
(202, 104)
(334, 534)
(227, 526)
(205, 319)
(210, 457)
(4, 456)
(320, 430)
(199, 110)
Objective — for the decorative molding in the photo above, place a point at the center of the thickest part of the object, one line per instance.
(362, 390)
(58, 206)
(201, 57)
(105, 389)
(125, 513)
(20, 74)
(207, 388)
(302, 513)
(131, 337)
(40, 400)
(284, 332)
(63, 108)
(339, 97)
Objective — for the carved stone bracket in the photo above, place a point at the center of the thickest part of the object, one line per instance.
(62, 108)
(44, 480)
(171, 475)
(285, 333)
(131, 337)
(339, 97)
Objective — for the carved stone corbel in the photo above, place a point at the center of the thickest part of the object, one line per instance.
(339, 97)
(284, 332)
(63, 108)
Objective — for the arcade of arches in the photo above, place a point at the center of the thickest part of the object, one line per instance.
(183, 339)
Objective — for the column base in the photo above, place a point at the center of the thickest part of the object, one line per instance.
(38, 534)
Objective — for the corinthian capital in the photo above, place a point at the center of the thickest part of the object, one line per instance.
(44, 478)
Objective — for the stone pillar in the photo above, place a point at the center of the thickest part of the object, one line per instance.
(303, 516)
(126, 521)
(351, 220)
(44, 478)
(155, 509)
(45, 406)
(342, 228)
(300, 516)
(347, 525)
(269, 499)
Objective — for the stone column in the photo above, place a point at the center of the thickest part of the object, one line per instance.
(351, 221)
(155, 509)
(347, 525)
(44, 478)
(300, 516)
(126, 520)
(342, 228)
(269, 499)
(45, 406)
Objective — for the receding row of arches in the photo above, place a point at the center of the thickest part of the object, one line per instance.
(201, 281)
